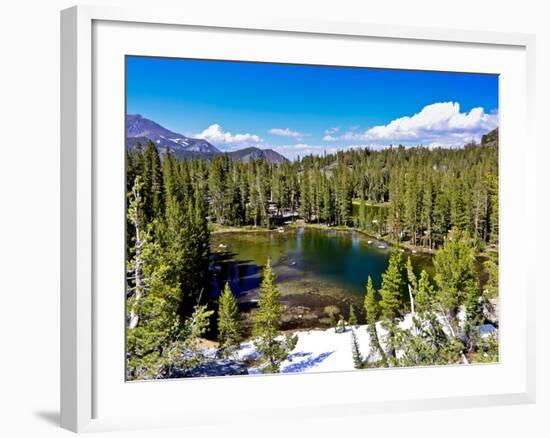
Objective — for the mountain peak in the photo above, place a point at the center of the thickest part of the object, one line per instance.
(255, 153)
(140, 129)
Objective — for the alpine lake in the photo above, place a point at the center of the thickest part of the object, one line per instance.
(318, 270)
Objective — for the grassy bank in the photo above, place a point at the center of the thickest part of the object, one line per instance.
(219, 229)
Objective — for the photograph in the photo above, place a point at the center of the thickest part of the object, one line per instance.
(295, 218)
(275, 219)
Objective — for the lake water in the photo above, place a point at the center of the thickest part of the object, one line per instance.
(304, 260)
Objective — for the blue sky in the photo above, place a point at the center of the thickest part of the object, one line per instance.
(298, 109)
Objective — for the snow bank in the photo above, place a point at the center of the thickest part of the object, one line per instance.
(325, 350)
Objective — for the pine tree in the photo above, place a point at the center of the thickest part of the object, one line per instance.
(455, 273)
(356, 351)
(328, 204)
(267, 320)
(412, 284)
(412, 205)
(493, 207)
(396, 189)
(175, 237)
(391, 293)
(186, 353)
(487, 349)
(305, 196)
(331, 312)
(362, 221)
(491, 268)
(173, 187)
(426, 294)
(134, 165)
(228, 323)
(253, 207)
(426, 343)
(459, 210)
(151, 297)
(218, 189)
(392, 287)
(345, 197)
(352, 320)
(473, 304)
(141, 239)
(427, 211)
(153, 187)
(442, 211)
(199, 244)
(184, 229)
(372, 311)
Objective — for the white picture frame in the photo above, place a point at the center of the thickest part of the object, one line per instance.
(88, 394)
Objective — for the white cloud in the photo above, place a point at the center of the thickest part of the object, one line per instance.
(440, 123)
(333, 130)
(217, 136)
(286, 132)
(329, 134)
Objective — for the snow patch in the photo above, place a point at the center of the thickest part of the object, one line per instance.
(321, 350)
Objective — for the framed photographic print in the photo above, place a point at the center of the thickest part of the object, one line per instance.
(301, 217)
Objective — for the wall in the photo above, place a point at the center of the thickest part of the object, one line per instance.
(29, 219)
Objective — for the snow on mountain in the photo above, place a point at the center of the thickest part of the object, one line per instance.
(140, 130)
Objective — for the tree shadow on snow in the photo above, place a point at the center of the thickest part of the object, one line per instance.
(304, 365)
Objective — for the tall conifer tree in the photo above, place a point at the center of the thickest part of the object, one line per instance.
(267, 320)
(455, 273)
(372, 311)
(229, 334)
(358, 362)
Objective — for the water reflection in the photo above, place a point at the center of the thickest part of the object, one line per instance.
(339, 259)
